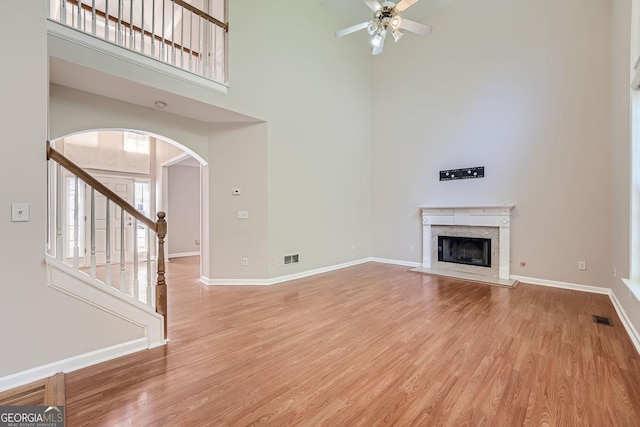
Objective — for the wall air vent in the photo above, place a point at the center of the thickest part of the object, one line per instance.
(291, 259)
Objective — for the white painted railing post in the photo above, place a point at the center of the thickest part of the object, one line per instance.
(136, 281)
(123, 247)
(108, 246)
(93, 233)
(76, 225)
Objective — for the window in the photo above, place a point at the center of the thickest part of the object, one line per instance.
(136, 143)
(142, 202)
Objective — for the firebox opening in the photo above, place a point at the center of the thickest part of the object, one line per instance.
(465, 250)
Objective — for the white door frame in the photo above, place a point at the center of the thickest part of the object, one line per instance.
(163, 203)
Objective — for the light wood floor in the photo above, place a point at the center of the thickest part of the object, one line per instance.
(365, 346)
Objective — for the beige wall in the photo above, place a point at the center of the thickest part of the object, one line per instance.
(521, 88)
(238, 160)
(314, 92)
(183, 209)
(40, 325)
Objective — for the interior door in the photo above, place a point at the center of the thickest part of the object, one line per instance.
(124, 188)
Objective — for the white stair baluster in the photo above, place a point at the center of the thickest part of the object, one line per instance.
(93, 17)
(93, 233)
(132, 38)
(190, 39)
(153, 28)
(76, 225)
(122, 249)
(106, 19)
(148, 245)
(108, 245)
(59, 239)
(136, 281)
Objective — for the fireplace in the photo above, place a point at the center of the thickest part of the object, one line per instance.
(465, 250)
(473, 225)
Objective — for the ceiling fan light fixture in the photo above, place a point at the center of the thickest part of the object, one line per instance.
(376, 40)
(372, 28)
(395, 22)
(397, 35)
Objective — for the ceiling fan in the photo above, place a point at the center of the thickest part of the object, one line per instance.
(386, 18)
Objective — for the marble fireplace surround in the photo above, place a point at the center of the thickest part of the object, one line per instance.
(488, 221)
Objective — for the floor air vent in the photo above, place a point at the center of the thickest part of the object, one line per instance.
(602, 320)
(292, 259)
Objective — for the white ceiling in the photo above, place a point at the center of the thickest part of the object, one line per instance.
(351, 12)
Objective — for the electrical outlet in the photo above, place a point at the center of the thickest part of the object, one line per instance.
(582, 265)
(410, 248)
(245, 261)
(353, 248)
(243, 214)
(197, 241)
(615, 273)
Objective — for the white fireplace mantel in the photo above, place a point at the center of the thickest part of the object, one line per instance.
(472, 216)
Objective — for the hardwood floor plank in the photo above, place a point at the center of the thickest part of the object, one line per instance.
(369, 345)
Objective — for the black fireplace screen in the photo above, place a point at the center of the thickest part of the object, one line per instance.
(465, 250)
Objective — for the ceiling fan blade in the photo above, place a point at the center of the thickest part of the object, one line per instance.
(373, 4)
(351, 29)
(377, 49)
(404, 5)
(415, 27)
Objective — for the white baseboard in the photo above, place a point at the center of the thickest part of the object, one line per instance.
(183, 254)
(280, 279)
(562, 285)
(622, 314)
(72, 363)
(626, 322)
(397, 262)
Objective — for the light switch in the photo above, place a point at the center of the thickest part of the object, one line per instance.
(243, 214)
(19, 212)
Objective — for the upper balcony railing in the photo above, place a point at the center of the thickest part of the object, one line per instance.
(181, 33)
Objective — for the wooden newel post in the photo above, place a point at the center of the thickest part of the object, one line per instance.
(161, 285)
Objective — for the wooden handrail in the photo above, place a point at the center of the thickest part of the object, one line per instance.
(203, 15)
(165, 40)
(100, 187)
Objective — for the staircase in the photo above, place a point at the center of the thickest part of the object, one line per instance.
(123, 285)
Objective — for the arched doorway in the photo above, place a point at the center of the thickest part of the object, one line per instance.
(132, 164)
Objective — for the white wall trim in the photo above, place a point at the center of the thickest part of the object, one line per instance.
(562, 285)
(622, 314)
(104, 47)
(626, 322)
(78, 285)
(397, 262)
(280, 279)
(183, 254)
(72, 363)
